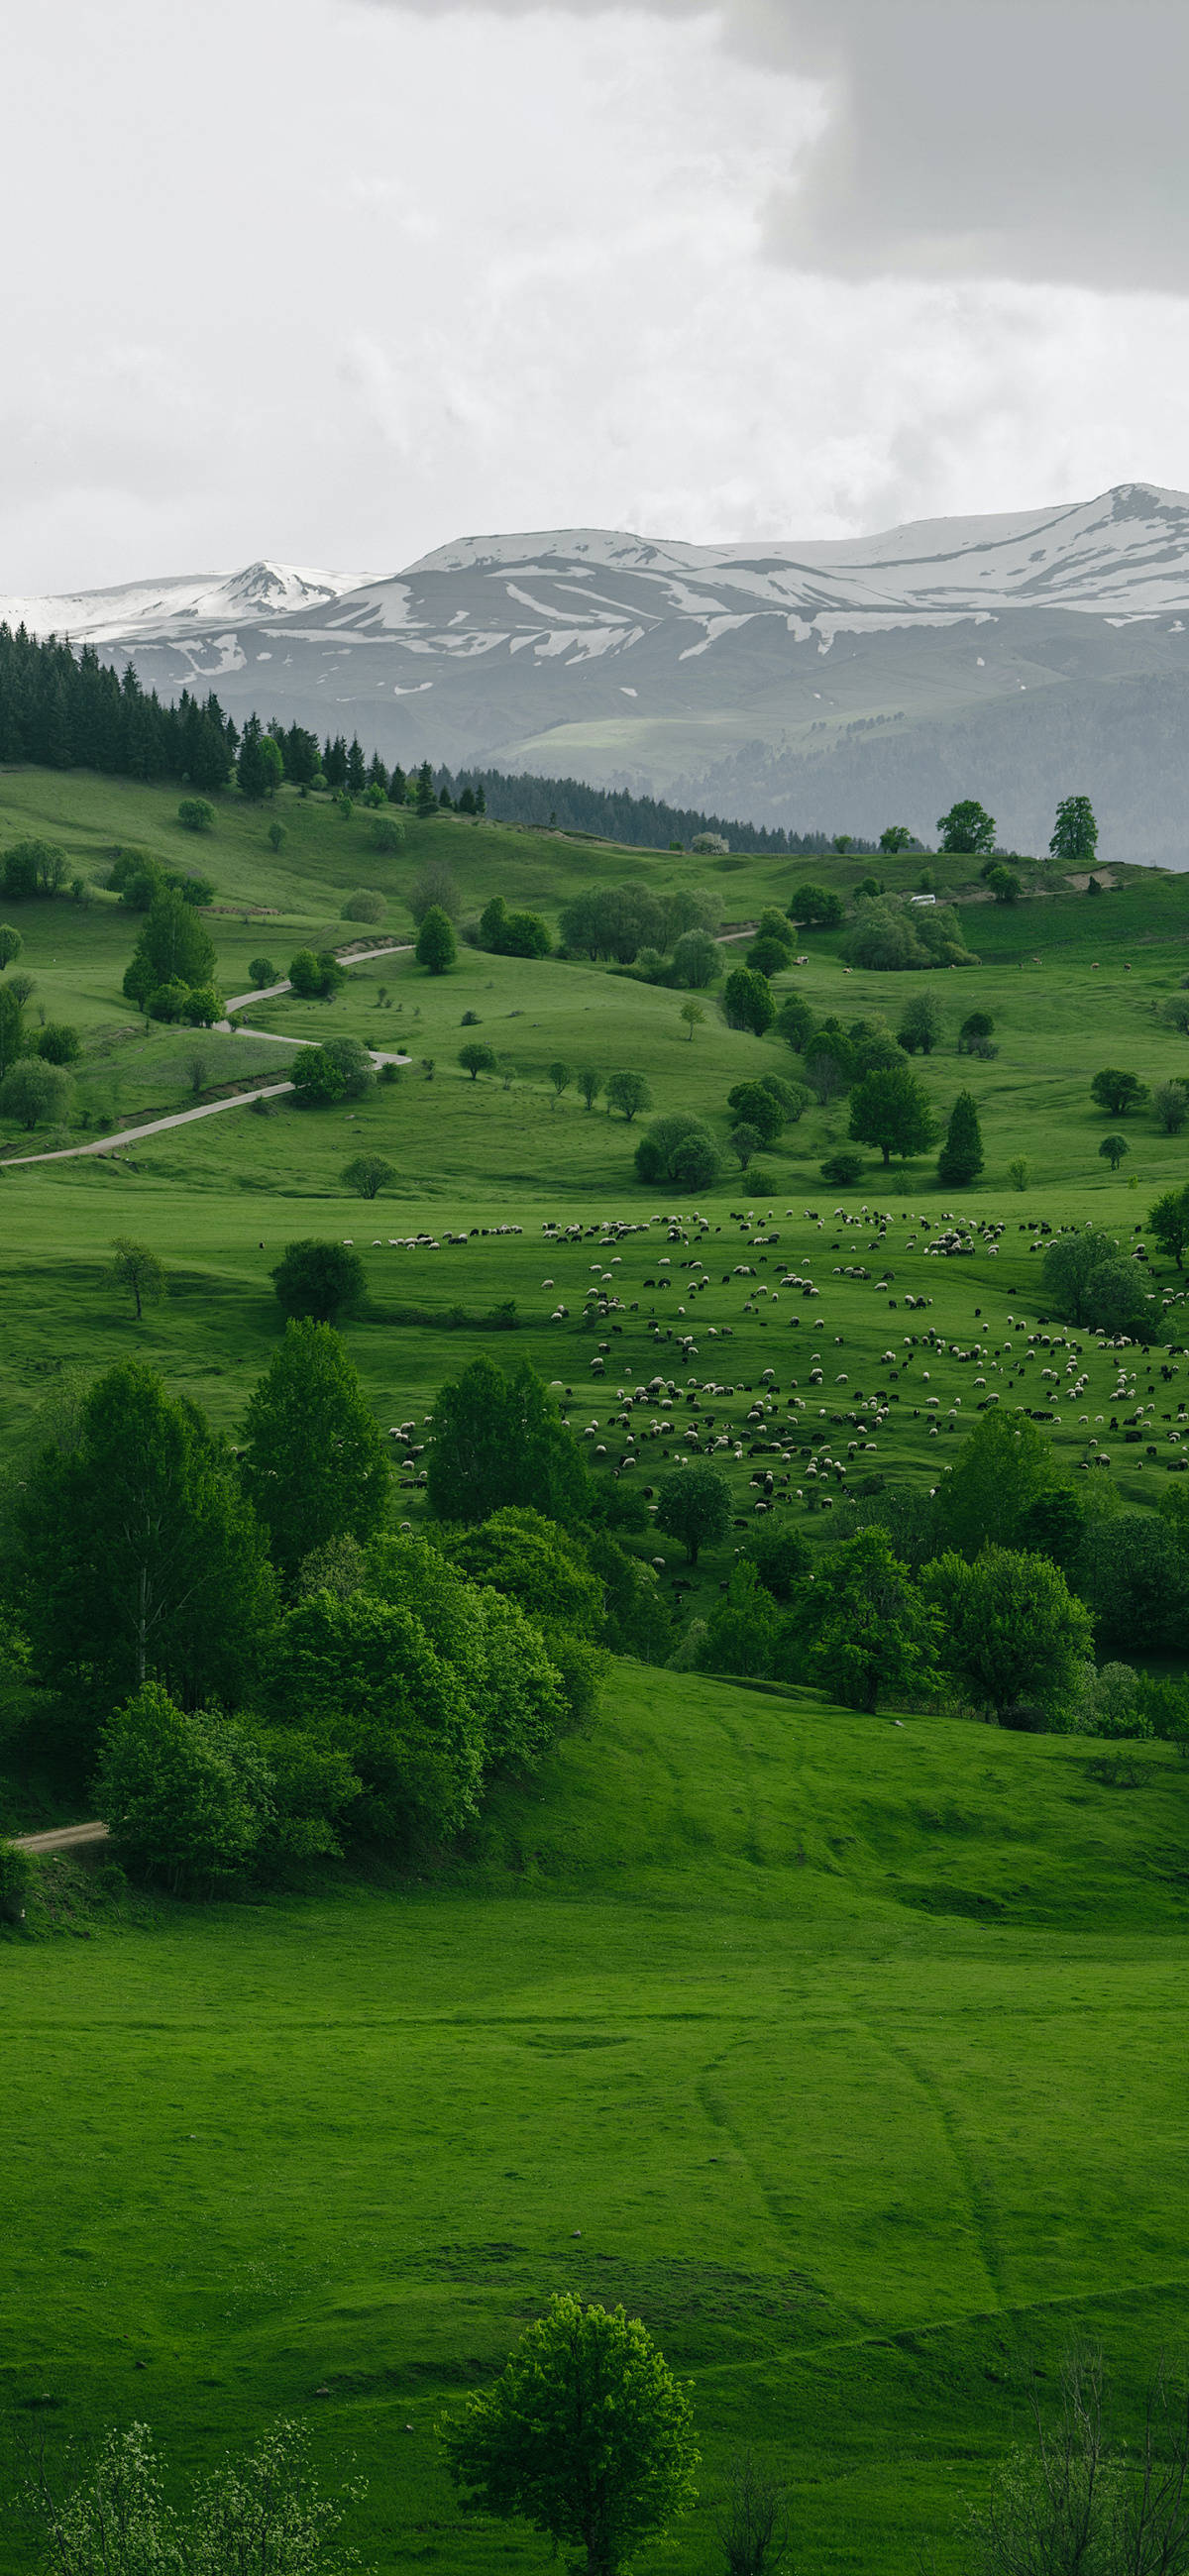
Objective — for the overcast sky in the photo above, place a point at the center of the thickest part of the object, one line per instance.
(336, 281)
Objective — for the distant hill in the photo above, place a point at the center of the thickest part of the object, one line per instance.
(1016, 658)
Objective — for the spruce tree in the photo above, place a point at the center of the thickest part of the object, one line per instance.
(961, 1158)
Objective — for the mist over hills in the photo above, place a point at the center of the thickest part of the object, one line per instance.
(1017, 658)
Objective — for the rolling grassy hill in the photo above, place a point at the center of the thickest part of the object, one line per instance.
(842, 2052)
(852, 2048)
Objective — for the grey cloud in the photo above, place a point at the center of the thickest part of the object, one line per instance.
(1022, 139)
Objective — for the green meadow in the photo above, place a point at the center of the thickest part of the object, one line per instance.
(848, 2053)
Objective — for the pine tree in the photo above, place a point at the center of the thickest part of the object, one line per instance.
(961, 1158)
(356, 779)
(260, 767)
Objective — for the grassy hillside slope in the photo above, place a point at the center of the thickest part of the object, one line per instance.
(852, 2048)
(841, 2051)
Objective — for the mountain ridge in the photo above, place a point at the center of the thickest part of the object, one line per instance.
(831, 681)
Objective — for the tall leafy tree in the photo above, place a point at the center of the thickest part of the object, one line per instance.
(627, 1092)
(174, 946)
(499, 1439)
(1011, 1629)
(748, 1002)
(816, 907)
(437, 947)
(34, 1092)
(186, 1797)
(867, 1626)
(920, 1024)
(694, 1506)
(967, 831)
(314, 1462)
(1168, 1223)
(138, 1269)
(1005, 1467)
(368, 1681)
(890, 1109)
(319, 1280)
(139, 1558)
(1075, 833)
(1071, 1267)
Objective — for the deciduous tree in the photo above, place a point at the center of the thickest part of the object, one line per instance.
(185, 1797)
(1168, 1222)
(138, 1270)
(868, 1628)
(967, 831)
(694, 1505)
(1004, 1467)
(174, 946)
(921, 1025)
(317, 1080)
(1118, 1092)
(1075, 833)
(499, 1439)
(1011, 1630)
(35, 1093)
(314, 1462)
(586, 2435)
(367, 1175)
(748, 1001)
(319, 1281)
(627, 1092)
(892, 1111)
(437, 947)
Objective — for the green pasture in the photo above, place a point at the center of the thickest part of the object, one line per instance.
(847, 2054)
(852, 2048)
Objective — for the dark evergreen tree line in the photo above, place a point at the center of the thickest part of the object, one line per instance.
(646, 822)
(64, 710)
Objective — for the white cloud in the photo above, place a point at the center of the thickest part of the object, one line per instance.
(1035, 139)
(410, 275)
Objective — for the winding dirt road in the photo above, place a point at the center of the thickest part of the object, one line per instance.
(241, 1099)
(60, 1838)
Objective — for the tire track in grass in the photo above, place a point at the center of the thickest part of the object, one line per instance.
(718, 2118)
(976, 2198)
(1053, 2304)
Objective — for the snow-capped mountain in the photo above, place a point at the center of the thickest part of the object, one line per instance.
(185, 604)
(1018, 657)
(1128, 550)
